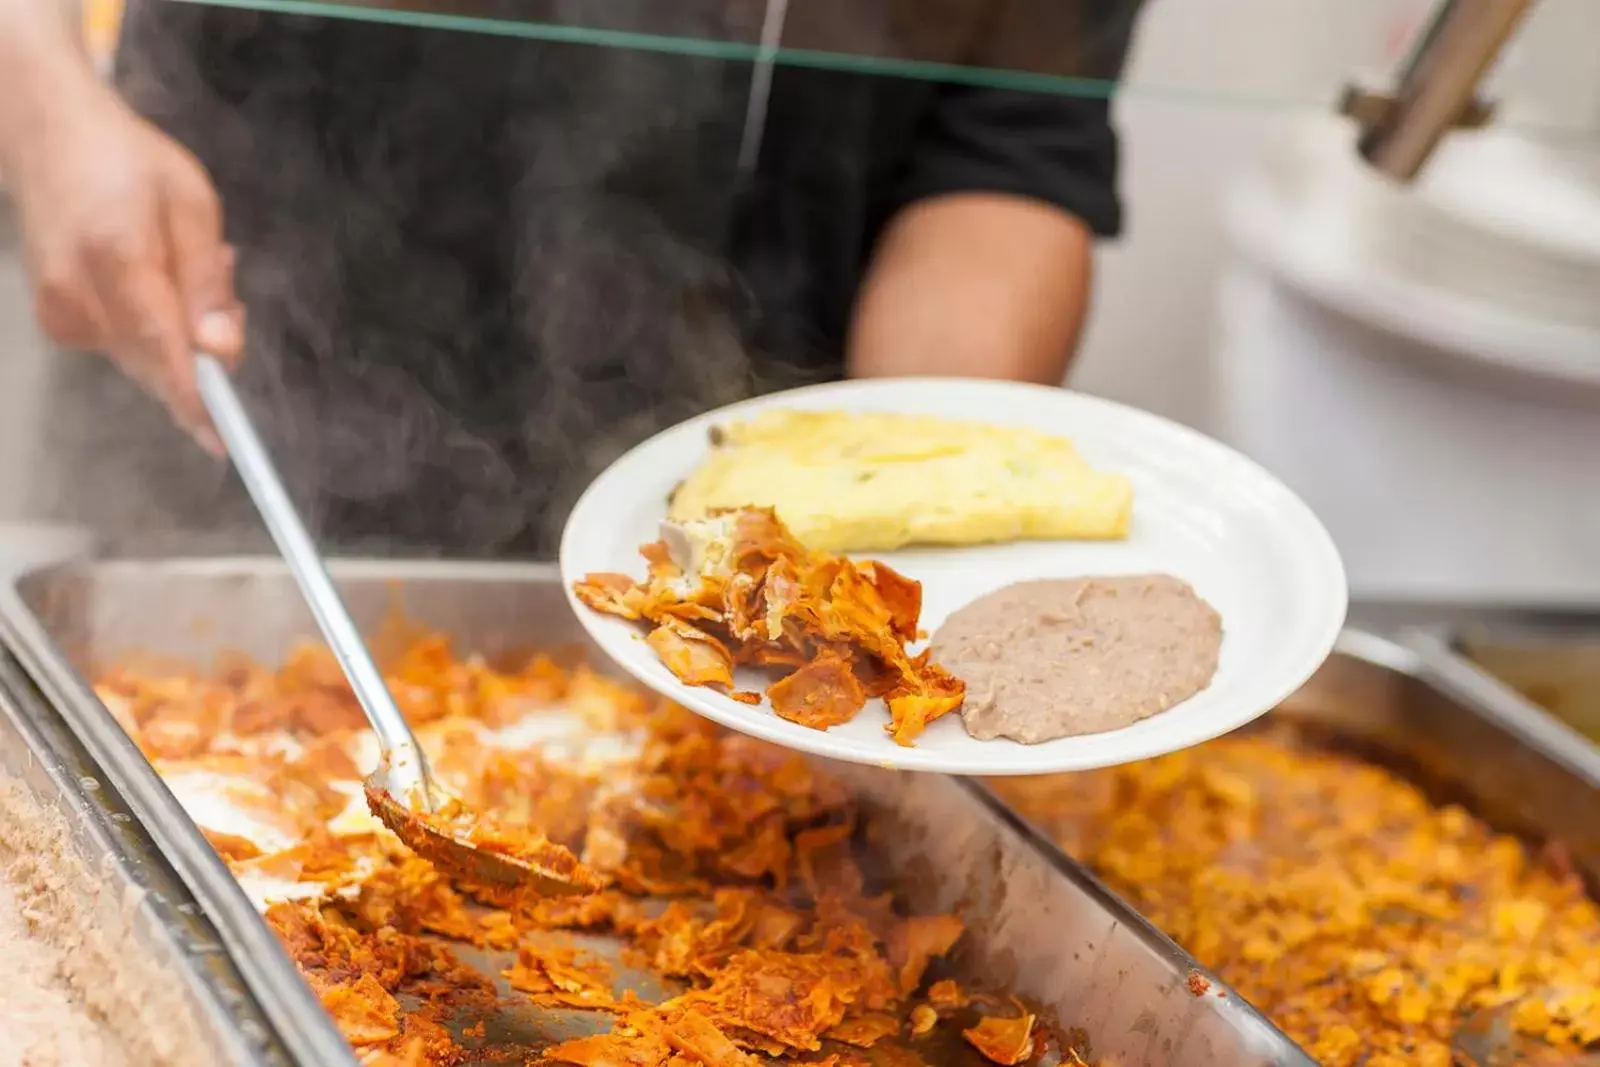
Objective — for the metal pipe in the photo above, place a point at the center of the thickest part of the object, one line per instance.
(1437, 87)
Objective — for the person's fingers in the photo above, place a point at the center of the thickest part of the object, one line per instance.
(70, 320)
(146, 318)
(221, 334)
(65, 304)
(202, 262)
(208, 438)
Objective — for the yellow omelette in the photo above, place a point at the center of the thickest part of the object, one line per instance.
(873, 481)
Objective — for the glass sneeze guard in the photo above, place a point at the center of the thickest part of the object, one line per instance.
(1303, 52)
(1071, 49)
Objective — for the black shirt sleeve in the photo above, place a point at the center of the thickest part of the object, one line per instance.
(1057, 145)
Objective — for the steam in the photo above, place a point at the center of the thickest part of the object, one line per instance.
(479, 268)
(425, 386)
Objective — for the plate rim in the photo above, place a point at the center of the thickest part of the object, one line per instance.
(1319, 547)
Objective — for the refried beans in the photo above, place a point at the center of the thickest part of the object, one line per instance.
(1061, 657)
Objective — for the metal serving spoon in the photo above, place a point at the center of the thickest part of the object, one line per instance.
(400, 790)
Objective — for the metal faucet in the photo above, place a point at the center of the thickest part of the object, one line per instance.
(1437, 87)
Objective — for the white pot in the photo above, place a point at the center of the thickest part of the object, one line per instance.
(1424, 365)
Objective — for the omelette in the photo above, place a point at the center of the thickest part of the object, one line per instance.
(874, 481)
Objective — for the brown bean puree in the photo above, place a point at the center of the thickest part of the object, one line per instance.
(1058, 658)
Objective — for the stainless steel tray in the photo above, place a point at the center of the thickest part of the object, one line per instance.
(1462, 736)
(1521, 768)
(1040, 924)
(1554, 664)
(160, 982)
(1416, 707)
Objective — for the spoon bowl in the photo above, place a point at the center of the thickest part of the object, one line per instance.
(546, 868)
(400, 792)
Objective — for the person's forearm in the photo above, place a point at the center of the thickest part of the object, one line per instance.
(974, 285)
(41, 56)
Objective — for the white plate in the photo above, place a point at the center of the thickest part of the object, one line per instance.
(1201, 512)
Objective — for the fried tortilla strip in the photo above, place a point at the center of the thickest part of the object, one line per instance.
(231, 846)
(693, 655)
(913, 706)
(792, 998)
(823, 693)
(366, 1012)
(753, 595)
(917, 942)
(636, 1041)
(1004, 1041)
(559, 976)
(854, 610)
(864, 1031)
(901, 595)
(693, 1035)
(946, 996)
(609, 594)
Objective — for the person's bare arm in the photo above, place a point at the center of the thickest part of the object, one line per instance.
(41, 54)
(984, 267)
(982, 285)
(121, 226)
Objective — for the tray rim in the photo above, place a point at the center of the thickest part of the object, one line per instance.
(1445, 668)
(304, 1028)
(93, 826)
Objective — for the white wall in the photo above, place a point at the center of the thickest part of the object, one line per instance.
(1210, 84)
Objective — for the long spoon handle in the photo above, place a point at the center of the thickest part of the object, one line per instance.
(260, 477)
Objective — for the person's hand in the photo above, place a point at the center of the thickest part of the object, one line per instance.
(123, 236)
